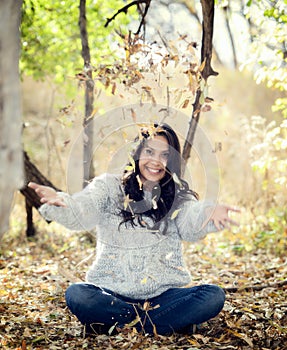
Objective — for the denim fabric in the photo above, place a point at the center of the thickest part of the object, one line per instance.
(169, 312)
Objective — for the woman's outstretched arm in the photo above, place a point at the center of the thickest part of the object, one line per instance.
(198, 218)
(80, 211)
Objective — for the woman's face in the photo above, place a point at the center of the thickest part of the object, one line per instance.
(153, 159)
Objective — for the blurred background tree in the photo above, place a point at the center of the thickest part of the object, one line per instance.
(11, 173)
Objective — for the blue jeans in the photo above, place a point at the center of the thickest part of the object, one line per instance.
(172, 311)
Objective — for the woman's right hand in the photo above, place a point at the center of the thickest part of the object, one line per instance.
(47, 195)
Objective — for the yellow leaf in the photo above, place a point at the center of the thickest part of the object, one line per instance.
(140, 182)
(201, 68)
(154, 330)
(132, 161)
(175, 213)
(193, 342)
(127, 201)
(134, 322)
(129, 168)
(125, 135)
(242, 336)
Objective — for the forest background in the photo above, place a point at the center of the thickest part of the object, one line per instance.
(245, 126)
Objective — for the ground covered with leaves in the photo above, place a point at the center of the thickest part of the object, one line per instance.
(34, 275)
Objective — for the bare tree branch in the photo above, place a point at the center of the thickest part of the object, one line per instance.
(207, 35)
(125, 10)
(256, 287)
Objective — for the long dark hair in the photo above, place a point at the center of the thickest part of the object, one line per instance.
(170, 191)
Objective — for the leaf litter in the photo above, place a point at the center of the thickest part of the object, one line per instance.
(35, 274)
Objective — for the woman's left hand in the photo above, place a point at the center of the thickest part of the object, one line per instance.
(219, 214)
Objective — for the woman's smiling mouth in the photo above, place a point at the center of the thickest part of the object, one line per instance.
(154, 171)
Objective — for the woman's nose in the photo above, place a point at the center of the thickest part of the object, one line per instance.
(156, 158)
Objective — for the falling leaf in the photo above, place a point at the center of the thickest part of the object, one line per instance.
(134, 116)
(175, 213)
(129, 168)
(176, 179)
(185, 103)
(169, 255)
(112, 328)
(154, 203)
(132, 161)
(201, 67)
(127, 201)
(139, 182)
(134, 322)
(205, 108)
(146, 88)
(114, 86)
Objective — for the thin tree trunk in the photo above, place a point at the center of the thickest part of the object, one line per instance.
(226, 15)
(190, 6)
(88, 123)
(11, 161)
(206, 55)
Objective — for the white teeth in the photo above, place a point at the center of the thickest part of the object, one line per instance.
(153, 171)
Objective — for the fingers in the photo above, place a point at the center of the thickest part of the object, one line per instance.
(225, 223)
(39, 189)
(58, 202)
(232, 222)
(221, 217)
(218, 225)
(234, 209)
(47, 195)
(33, 185)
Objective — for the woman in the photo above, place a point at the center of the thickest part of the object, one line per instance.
(141, 218)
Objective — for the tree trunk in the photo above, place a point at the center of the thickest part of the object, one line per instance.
(11, 162)
(227, 12)
(88, 123)
(206, 55)
(32, 200)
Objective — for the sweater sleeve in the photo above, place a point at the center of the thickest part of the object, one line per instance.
(191, 218)
(84, 210)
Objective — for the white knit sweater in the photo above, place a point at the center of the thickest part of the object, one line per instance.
(133, 262)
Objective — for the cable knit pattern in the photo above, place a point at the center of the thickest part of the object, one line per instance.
(133, 262)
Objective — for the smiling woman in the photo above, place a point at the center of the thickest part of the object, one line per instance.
(141, 219)
(153, 159)
(155, 176)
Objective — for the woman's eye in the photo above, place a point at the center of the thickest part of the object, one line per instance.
(148, 152)
(165, 155)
